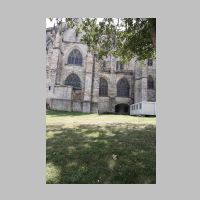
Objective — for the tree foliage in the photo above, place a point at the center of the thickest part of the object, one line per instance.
(120, 37)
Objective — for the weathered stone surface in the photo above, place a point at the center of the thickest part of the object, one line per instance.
(61, 105)
(104, 105)
(62, 97)
(77, 106)
(86, 107)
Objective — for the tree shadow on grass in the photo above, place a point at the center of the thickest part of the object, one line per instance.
(84, 154)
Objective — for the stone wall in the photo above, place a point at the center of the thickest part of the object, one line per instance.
(62, 92)
(86, 107)
(61, 97)
(104, 105)
(94, 108)
(77, 106)
(151, 95)
(61, 105)
(152, 92)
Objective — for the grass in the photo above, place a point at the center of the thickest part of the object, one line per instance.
(81, 148)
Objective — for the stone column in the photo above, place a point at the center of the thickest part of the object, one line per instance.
(137, 86)
(88, 84)
(113, 84)
(95, 95)
(112, 92)
(144, 83)
(53, 64)
(59, 69)
(140, 82)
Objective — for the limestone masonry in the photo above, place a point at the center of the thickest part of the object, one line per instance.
(77, 81)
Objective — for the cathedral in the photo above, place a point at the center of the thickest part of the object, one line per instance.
(77, 81)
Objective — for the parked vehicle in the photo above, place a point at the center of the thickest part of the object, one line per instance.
(143, 108)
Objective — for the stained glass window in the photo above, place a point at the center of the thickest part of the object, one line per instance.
(75, 58)
(123, 88)
(73, 80)
(103, 87)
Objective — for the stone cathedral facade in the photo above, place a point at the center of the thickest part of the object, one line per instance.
(77, 81)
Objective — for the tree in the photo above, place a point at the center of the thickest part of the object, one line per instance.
(120, 37)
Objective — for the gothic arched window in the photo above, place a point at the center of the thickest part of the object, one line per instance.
(75, 57)
(73, 80)
(150, 82)
(123, 88)
(103, 87)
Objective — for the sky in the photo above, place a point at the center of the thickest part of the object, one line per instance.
(51, 23)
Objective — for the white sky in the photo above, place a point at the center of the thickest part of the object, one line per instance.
(51, 23)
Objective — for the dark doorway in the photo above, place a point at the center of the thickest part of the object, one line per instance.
(47, 106)
(122, 109)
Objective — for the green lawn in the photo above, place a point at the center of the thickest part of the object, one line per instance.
(92, 148)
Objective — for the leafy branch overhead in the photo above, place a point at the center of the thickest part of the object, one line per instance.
(120, 37)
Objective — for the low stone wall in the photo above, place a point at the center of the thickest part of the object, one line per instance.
(104, 105)
(94, 107)
(61, 105)
(86, 106)
(62, 92)
(77, 106)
